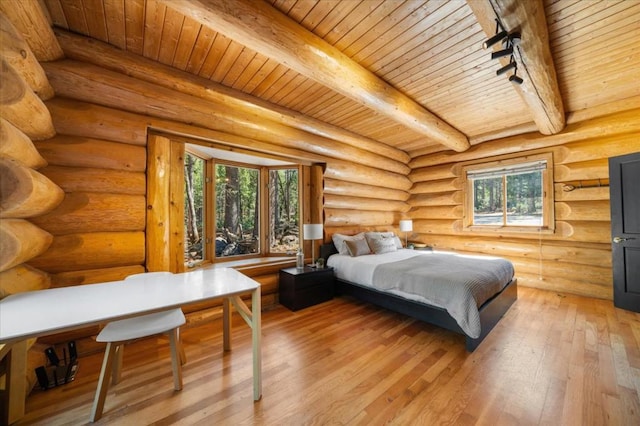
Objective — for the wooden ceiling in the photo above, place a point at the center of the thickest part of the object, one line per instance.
(430, 51)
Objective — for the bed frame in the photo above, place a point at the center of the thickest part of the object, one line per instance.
(490, 312)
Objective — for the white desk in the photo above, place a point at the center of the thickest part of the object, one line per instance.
(44, 312)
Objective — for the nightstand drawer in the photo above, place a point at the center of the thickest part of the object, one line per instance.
(302, 288)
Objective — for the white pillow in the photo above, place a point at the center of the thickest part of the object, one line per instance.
(339, 239)
(370, 236)
(384, 245)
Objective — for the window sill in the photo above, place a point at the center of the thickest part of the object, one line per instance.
(255, 266)
(508, 230)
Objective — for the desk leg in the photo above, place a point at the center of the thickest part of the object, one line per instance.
(16, 361)
(226, 324)
(253, 318)
(256, 332)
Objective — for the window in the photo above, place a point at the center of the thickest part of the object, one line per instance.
(513, 194)
(194, 196)
(232, 217)
(284, 211)
(237, 214)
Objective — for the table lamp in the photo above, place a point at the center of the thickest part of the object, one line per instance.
(312, 232)
(406, 226)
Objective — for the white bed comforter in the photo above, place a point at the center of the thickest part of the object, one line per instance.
(457, 283)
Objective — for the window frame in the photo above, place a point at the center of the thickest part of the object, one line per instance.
(263, 194)
(548, 219)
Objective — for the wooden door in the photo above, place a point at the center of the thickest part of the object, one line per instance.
(624, 178)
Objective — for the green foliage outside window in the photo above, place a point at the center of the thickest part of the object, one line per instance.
(523, 200)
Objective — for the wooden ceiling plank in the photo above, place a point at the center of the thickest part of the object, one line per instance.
(624, 40)
(540, 89)
(250, 71)
(262, 28)
(227, 60)
(30, 20)
(265, 70)
(74, 12)
(459, 60)
(317, 14)
(114, 16)
(452, 77)
(273, 76)
(581, 18)
(306, 89)
(417, 39)
(284, 5)
(218, 48)
(173, 22)
(608, 28)
(312, 93)
(57, 13)
(186, 43)
(290, 87)
(300, 10)
(201, 49)
(395, 56)
(374, 18)
(622, 54)
(406, 15)
(312, 106)
(275, 88)
(153, 25)
(338, 13)
(240, 64)
(423, 59)
(355, 16)
(560, 17)
(332, 112)
(96, 19)
(134, 26)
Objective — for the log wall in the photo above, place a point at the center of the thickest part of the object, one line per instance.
(25, 192)
(102, 117)
(577, 257)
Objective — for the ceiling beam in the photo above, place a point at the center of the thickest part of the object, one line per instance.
(262, 28)
(539, 89)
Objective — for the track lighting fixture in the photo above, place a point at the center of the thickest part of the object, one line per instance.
(515, 79)
(493, 40)
(509, 40)
(510, 65)
(501, 53)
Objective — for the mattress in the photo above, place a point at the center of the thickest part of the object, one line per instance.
(460, 284)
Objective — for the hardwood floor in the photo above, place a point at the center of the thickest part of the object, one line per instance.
(553, 360)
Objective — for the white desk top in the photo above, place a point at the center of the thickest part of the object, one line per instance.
(39, 313)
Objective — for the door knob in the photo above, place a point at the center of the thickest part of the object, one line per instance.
(620, 239)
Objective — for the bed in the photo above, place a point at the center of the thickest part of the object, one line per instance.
(397, 275)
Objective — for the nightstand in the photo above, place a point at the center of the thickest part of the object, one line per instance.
(302, 288)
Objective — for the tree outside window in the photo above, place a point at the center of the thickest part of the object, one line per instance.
(241, 221)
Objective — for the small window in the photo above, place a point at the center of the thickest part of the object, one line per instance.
(513, 195)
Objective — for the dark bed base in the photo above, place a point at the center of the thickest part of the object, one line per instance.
(490, 312)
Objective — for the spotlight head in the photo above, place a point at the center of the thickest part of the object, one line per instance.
(493, 40)
(506, 68)
(501, 53)
(515, 79)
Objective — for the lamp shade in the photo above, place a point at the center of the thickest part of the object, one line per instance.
(312, 231)
(406, 225)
